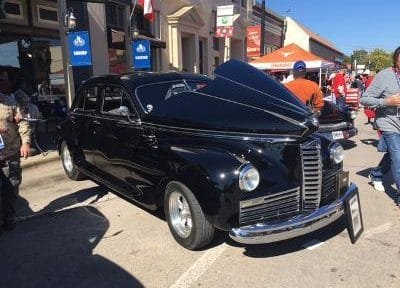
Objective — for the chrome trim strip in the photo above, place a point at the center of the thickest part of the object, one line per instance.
(272, 138)
(310, 153)
(261, 233)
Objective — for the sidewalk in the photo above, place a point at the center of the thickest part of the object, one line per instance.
(39, 159)
(47, 144)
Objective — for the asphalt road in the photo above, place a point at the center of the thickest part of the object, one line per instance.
(76, 234)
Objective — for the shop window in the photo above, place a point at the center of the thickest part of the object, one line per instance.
(216, 43)
(142, 24)
(9, 54)
(14, 9)
(117, 60)
(115, 16)
(47, 14)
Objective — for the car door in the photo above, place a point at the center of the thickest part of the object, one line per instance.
(118, 136)
(82, 117)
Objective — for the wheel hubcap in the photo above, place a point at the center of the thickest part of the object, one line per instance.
(180, 215)
(67, 159)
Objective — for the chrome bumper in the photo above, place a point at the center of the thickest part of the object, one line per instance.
(261, 233)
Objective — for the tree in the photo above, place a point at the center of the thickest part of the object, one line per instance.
(346, 60)
(380, 59)
(361, 56)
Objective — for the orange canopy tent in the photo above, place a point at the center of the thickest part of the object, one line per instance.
(284, 59)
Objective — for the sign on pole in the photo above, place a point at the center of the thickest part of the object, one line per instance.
(224, 21)
(253, 41)
(141, 54)
(79, 48)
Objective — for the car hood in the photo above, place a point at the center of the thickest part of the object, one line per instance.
(241, 99)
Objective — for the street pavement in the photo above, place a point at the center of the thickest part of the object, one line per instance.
(77, 234)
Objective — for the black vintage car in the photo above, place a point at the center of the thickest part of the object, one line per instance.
(237, 153)
(336, 122)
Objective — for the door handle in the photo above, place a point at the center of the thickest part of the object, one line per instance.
(96, 122)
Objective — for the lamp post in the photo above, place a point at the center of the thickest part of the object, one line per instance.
(262, 40)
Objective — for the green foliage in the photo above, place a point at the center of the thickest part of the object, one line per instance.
(380, 59)
(361, 56)
(377, 59)
(346, 60)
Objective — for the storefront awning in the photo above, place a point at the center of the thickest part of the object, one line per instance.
(284, 59)
(156, 43)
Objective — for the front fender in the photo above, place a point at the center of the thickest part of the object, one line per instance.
(212, 176)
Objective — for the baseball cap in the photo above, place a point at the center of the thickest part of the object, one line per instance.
(299, 66)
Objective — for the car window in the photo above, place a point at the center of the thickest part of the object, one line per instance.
(155, 94)
(90, 98)
(116, 102)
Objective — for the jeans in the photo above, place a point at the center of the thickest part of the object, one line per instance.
(393, 144)
(13, 172)
(7, 199)
(383, 167)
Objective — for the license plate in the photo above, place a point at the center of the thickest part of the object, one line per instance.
(337, 135)
(354, 218)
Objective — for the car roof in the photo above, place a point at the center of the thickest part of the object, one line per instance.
(140, 78)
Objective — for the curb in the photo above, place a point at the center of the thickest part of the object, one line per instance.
(39, 160)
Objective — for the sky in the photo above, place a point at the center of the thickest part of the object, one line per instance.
(348, 24)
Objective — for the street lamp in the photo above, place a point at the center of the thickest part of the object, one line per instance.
(70, 19)
(135, 33)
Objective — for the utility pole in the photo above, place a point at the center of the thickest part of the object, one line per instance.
(262, 42)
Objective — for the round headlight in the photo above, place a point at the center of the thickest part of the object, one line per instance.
(336, 153)
(249, 178)
(353, 115)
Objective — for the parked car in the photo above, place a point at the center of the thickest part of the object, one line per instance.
(336, 122)
(237, 153)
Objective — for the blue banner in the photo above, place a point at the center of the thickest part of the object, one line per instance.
(141, 54)
(79, 48)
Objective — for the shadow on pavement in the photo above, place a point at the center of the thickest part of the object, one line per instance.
(348, 144)
(365, 172)
(293, 245)
(373, 142)
(23, 209)
(387, 183)
(57, 251)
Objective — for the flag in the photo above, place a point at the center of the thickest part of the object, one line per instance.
(147, 9)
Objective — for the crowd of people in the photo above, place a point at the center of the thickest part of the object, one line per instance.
(381, 101)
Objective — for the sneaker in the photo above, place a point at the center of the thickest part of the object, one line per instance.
(378, 186)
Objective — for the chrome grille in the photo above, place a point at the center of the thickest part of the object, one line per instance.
(330, 191)
(274, 206)
(312, 175)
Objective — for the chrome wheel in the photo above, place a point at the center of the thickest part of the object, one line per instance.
(67, 159)
(180, 215)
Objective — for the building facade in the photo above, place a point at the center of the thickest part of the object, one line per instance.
(188, 28)
(310, 41)
(34, 37)
(30, 47)
(274, 27)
